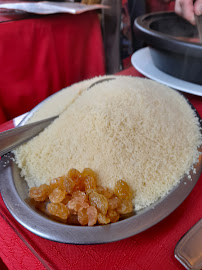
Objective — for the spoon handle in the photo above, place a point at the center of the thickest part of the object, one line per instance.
(14, 137)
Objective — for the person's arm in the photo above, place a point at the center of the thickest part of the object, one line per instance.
(188, 9)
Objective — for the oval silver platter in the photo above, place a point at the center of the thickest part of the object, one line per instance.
(14, 191)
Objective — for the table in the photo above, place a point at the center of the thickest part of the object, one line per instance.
(152, 249)
(43, 54)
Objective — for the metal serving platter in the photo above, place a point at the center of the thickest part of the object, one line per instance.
(14, 191)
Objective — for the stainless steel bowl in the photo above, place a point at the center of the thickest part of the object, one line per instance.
(14, 191)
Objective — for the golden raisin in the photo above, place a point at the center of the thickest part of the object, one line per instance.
(108, 193)
(102, 219)
(76, 204)
(114, 202)
(66, 199)
(125, 207)
(122, 190)
(92, 215)
(79, 185)
(69, 185)
(80, 195)
(58, 182)
(40, 193)
(58, 210)
(83, 217)
(57, 195)
(99, 201)
(75, 175)
(89, 183)
(89, 172)
(113, 216)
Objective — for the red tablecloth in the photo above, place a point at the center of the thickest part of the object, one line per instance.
(152, 249)
(159, 5)
(43, 54)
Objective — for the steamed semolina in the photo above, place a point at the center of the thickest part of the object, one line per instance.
(129, 128)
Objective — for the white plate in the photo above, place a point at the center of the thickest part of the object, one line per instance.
(142, 61)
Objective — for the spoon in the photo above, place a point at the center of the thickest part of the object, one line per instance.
(14, 137)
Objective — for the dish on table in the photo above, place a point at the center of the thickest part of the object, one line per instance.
(175, 42)
(148, 68)
(15, 193)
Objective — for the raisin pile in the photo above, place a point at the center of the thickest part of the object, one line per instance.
(76, 198)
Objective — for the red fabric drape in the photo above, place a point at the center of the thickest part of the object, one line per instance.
(159, 5)
(44, 54)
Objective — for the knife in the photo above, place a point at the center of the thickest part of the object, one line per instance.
(16, 136)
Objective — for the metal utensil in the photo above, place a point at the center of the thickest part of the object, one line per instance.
(14, 137)
(188, 249)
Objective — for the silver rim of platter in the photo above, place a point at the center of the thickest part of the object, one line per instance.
(14, 191)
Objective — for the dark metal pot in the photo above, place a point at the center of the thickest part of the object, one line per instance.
(176, 49)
